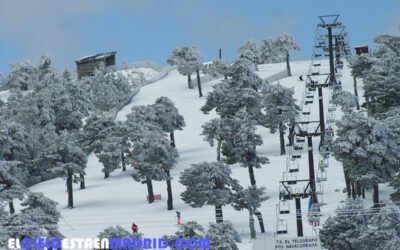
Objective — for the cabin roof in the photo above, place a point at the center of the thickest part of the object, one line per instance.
(96, 57)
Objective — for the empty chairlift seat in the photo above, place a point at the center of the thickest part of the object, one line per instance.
(293, 166)
(323, 163)
(306, 110)
(284, 207)
(321, 175)
(290, 178)
(281, 227)
(331, 108)
(300, 139)
(330, 118)
(298, 147)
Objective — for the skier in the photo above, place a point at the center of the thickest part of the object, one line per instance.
(178, 214)
(134, 228)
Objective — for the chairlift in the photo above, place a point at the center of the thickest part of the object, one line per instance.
(296, 155)
(300, 139)
(281, 227)
(323, 163)
(285, 193)
(309, 95)
(290, 178)
(315, 73)
(317, 55)
(321, 175)
(330, 118)
(293, 166)
(284, 207)
(324, 151)
(316, 64)
(306, 102)
(331, 108)
(298, 147)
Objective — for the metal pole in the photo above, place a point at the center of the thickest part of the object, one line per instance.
(321, 112)
(331, 62)
(298, 217)
(220, 54)
(311, 166)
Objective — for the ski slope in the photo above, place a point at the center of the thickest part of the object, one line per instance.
(120, 200)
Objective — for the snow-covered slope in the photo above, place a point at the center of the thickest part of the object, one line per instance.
(120, 200)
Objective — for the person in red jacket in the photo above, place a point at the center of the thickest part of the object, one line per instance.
(134, 228)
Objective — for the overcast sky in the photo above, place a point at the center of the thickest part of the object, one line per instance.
(66, 30)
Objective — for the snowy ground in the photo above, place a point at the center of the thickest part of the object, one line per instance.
(120, 200)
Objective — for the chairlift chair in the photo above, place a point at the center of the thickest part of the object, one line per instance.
(330, 118)
(284, 207)
(300, 139)
(290, 178)
(321, 175)
(281, 227)
(296, 155)
(298, 147)
(316, 64)
(323, 163)
(285, 194)
(331, 108)
(309, 101)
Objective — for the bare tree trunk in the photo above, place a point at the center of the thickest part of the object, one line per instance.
(106, 175)
(282, 138)
(150, 189)
(251, 224)
(172, 139)
(199, 83)
(358, 188)
(260, 220)
(375, 195)
(170, 205)
(353, 190)
(356, 92)
(190, 85)
(251, 174)
(123, 161)
(219, 214)
(219, 150)
(347, 181)
(288, 64)
(82, 179)
(11, 206)
(69, 189)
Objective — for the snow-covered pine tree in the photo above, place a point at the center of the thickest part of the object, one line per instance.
(240, 90)
(284, 44)
(249, 50)
(119, 233)
(168, 117)
(216, 130)
(66, 158)
(242, 143)
(250, 199)
(110, 155)
(346, 100)
(44, 213)
(188, 61)
(23, 76)
(223, 236)
(10, 187)
(208, 184)
(342, 230)
(217, 69)
(269, 53)
(96, 129)
(280, 108)
(190, 229)
(152, 151)
(4, 235)
(368, 145)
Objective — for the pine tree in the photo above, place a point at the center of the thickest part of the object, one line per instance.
(110, 155)
(188, 61)
(208, 184)
(223, 236)
(216, 130)
(284, 44)
(44, 213)
(217, 69)
(22, 76)
(66, 158)
(368, 145)
(280, 108)
(250, 199)
(269, 52)
(346, 100)
(240, 90)
(188, 230)
(250, 51)
(341, 231)
(10, 187)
